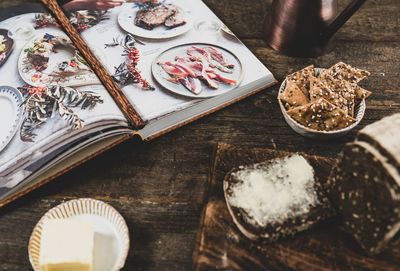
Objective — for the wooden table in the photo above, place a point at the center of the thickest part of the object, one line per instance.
(159, 186)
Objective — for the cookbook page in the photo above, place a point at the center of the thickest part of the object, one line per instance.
(48, 94)
(166, 55)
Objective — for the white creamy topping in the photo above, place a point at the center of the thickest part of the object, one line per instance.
(272, 193)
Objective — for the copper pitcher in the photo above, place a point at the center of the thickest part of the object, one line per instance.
(305, 28)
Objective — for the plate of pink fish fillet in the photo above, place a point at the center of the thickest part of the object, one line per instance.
(198, 70)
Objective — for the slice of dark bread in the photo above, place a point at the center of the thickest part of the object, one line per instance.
(384, 136)
(365, 189)
(291, 222)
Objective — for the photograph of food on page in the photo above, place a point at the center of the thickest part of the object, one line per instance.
(166, 55)
(51, 101)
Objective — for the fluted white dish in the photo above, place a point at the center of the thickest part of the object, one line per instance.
(111, 232)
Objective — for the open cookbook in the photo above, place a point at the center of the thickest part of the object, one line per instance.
(78, 77)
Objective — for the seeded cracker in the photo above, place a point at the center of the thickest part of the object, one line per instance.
(361, 93)
(320, 89)
(292, 96)
(343, 71)
(321, 115)
(350, 91)
(276, 198)
(302, 79)
(345, 90)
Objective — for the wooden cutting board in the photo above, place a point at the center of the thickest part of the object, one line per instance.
(221, 246)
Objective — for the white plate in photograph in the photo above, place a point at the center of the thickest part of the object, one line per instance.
(169, 55)
(111, 244)
(126, 20)
(46, 77)
(11, 114)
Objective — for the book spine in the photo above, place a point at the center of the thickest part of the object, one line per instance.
(115, 91)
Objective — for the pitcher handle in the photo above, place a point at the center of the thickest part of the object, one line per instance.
(342, 19)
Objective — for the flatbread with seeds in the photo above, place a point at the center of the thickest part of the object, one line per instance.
(321, 115)
(343, 71)
(292, 96)
(347, 76)
(302, 78)
(345, 93)
(361, 93)
(320, 89)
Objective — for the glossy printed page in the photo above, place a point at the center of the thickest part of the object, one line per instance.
(166, 55)
(49, 96)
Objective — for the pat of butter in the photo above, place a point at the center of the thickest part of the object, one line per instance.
(66, 245)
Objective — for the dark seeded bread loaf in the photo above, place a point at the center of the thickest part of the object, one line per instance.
(292, 224)
(365, 185)
(384, 135)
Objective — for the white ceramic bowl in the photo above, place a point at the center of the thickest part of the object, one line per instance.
(307, 132)
(111, 239)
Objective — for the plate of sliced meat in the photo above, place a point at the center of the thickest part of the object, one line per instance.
(198, 70)
(162, 21)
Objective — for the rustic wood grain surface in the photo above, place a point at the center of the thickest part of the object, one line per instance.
(159, 186)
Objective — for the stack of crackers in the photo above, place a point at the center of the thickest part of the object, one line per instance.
(327, 101)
